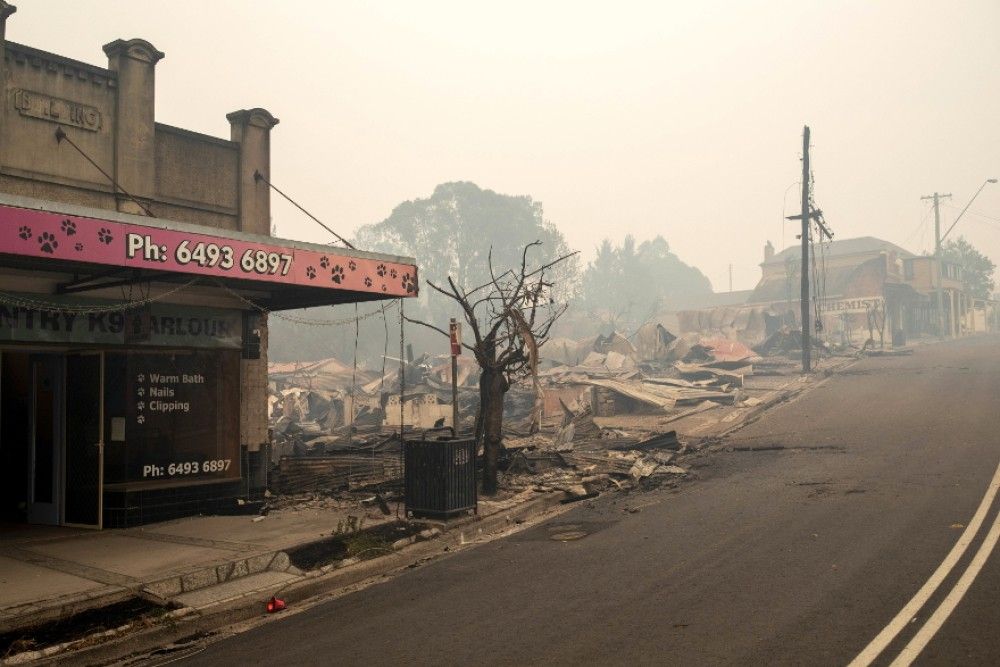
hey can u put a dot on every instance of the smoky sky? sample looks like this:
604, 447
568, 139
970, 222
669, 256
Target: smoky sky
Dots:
682, 119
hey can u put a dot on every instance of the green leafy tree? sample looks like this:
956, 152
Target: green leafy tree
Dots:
454, 233
624, 285
977, 268
451, 233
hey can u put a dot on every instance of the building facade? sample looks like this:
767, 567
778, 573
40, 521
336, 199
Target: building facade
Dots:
860, 288
859, 282
136, 276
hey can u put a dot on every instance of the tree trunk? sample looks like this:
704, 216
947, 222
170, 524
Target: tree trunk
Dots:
492, 388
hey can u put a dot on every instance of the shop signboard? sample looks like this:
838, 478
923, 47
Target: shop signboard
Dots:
46, 235
852, 305
157, 325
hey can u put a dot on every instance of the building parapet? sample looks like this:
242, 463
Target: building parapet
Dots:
19, 54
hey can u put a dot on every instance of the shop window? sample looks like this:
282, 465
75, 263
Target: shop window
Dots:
172, 417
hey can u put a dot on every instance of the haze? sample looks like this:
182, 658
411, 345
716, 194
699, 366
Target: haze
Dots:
680, 119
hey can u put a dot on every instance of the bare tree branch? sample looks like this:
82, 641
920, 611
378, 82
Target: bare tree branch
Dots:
439, 330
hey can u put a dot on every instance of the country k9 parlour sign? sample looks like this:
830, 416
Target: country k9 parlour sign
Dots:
46, 235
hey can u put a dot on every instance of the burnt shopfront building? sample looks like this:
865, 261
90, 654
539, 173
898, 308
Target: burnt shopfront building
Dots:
136, 273
125, 343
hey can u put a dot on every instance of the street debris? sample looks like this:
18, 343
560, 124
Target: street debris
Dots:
604, 404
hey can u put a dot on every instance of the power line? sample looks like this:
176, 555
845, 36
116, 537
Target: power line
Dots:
975, 212
303, 320
919, 227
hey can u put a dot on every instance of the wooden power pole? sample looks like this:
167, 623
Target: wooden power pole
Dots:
804, 269
808, 215
937, 197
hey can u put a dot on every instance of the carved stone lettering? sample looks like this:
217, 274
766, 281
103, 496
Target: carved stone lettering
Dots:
46, 107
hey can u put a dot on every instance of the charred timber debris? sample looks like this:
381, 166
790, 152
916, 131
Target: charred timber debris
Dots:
610, 413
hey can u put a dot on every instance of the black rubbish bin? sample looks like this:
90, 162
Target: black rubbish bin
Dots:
439, 476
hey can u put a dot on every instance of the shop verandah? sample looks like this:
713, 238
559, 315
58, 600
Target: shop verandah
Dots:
132, 384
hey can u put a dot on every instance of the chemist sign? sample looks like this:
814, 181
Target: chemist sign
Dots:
853, 305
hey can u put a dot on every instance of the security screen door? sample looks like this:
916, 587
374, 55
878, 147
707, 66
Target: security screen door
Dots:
84, 441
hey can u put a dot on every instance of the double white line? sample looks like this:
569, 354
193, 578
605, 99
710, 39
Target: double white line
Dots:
940, 615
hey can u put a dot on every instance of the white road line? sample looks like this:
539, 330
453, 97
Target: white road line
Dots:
907, 613
934, 623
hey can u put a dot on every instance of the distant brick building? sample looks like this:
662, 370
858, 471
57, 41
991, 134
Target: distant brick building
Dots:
136, 271
851, 280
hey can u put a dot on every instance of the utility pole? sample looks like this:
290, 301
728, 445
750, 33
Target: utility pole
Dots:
455, 334
808, 215
804, 269
937, 197
939, 239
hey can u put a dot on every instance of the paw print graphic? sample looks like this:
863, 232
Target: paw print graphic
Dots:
380, 270
383, 288
48, 242
368, 282
392, 273
78, 247
68, 227
408, 284
337, 274
352, 266
24, 232
105, 236
310, 272
324, 262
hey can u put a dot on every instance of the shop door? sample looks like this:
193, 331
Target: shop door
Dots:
46, 441
84, 440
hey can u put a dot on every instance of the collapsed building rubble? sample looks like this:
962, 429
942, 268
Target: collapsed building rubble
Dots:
337, 427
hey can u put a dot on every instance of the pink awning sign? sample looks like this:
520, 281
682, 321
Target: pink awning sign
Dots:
45, 235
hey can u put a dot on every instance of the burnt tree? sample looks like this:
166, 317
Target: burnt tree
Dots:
510, 318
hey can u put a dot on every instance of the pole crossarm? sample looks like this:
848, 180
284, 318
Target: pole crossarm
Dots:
814, 214
817, 215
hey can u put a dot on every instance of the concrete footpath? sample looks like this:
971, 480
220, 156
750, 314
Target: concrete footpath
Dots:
48, 573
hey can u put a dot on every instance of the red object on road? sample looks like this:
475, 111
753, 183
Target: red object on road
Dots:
275, 604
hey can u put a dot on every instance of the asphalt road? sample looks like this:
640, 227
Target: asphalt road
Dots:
796, 547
